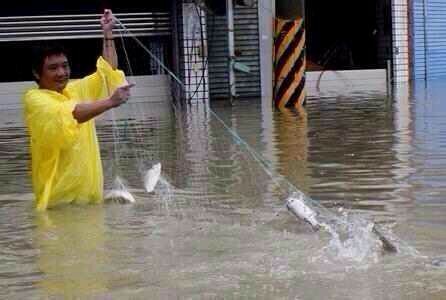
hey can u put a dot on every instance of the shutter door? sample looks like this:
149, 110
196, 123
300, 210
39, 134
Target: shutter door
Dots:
56, 27
418, 41
246, 22
246, 31
436, 38
429, 39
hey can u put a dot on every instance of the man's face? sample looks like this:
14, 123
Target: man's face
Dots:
55, 73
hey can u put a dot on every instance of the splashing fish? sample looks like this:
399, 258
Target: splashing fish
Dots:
300, 209
119, 193
119, 196
152, 177
297, 206
387, 244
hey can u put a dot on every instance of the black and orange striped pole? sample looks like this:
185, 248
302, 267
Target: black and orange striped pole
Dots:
289, 54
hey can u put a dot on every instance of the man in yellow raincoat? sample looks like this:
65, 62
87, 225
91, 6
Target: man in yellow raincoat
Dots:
66, 164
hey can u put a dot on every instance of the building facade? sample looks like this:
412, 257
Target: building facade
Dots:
362, 42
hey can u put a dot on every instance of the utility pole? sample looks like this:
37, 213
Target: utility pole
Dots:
231, 50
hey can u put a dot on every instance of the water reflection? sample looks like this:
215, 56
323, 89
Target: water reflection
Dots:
72, 251
349, 143
402, 196
429, 141
292, 143
13, 153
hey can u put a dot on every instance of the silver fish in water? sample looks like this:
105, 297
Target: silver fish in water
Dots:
119, 196
300, 209
297, 206
152, 177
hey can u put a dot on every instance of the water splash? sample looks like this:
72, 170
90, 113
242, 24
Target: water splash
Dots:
352, 239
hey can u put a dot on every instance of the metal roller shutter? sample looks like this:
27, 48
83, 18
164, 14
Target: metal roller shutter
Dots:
52, 27
246, 25
429, 39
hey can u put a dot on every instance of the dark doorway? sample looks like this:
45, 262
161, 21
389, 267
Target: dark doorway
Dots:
349, 34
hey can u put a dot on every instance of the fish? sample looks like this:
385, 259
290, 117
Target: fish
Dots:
301, 210
297, 206
152, 177
388, 246
119, 196
439, 262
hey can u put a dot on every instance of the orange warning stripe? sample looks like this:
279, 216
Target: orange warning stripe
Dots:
289, 60
288, 38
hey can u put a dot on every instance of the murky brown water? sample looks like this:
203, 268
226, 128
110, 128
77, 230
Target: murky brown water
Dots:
219, 228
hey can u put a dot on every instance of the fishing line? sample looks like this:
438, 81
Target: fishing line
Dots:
149, 177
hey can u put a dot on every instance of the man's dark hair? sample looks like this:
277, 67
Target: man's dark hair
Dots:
41, 52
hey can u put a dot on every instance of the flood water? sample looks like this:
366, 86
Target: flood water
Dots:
217, 227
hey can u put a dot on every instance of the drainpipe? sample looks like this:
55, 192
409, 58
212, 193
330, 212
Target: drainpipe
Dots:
231, 49
426, 75
389, 77
177, 91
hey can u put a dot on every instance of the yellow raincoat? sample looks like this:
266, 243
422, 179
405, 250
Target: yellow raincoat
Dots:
66, 164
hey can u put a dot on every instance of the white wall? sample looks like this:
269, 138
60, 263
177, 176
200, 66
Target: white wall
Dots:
338, 83
154, 88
